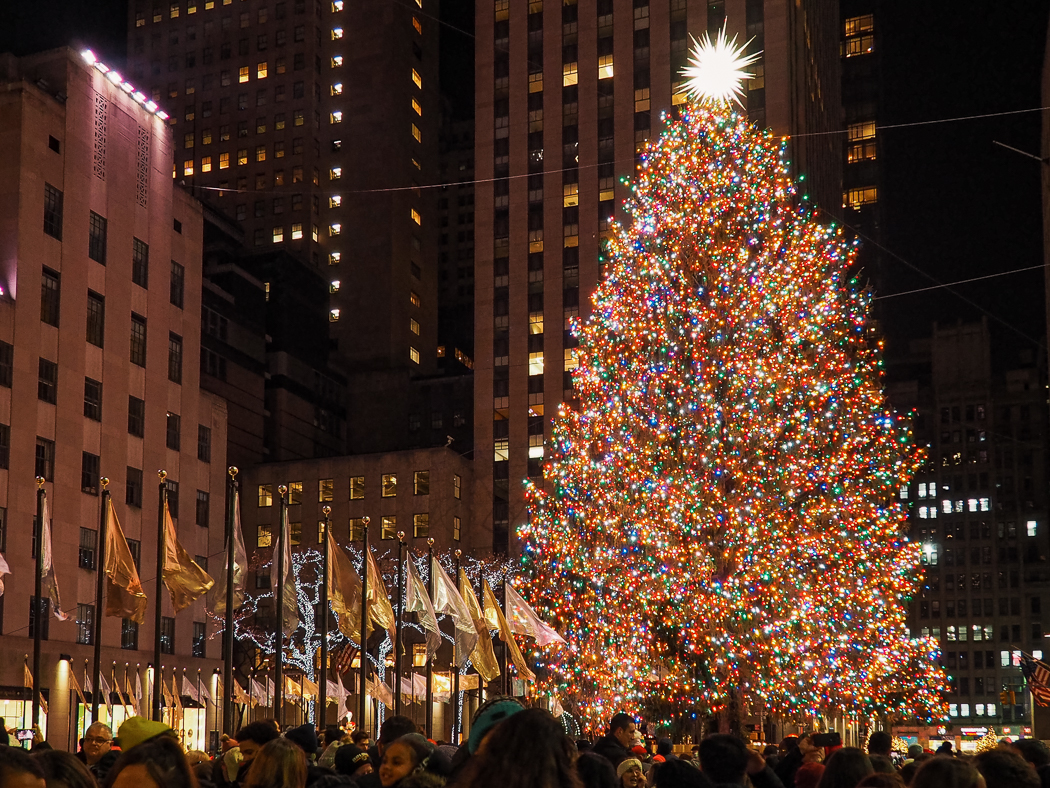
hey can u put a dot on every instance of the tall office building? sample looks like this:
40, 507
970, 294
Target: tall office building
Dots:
567, 94
100, 323
313, 124
979, 509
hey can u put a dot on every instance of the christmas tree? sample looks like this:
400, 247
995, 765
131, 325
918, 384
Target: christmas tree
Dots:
723, 525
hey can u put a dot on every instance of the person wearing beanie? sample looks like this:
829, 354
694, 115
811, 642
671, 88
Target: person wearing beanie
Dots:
488, 717
352, 761
665, 748
136, 730
629, 772
306, 737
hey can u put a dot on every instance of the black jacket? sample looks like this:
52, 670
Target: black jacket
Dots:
609, 748
763, 779
104, 764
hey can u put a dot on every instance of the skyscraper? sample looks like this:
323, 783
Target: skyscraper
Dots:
567, 94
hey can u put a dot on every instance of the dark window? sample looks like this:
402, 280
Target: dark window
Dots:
49, 297
173, 497
97, 238
172, 437
140, 263
96, 319
136, 416
133, 491
45, 458
93, 399
135, 548
178, 283
88, 538
203, 443
174, 358
202, 508
85, 624
52, 211
44, 608
167, 635
129, 634
90, 471
199, 638
212, 364
5, 446
47, 381
7, 359
138, 340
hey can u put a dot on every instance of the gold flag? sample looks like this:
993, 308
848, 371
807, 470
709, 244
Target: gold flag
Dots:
482, 657
492, 607
177, 712
379, 609
310, 688
76, 687
185, 580
292, 688
124, 595
344, 590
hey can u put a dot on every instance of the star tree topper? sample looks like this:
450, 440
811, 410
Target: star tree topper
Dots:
716, 69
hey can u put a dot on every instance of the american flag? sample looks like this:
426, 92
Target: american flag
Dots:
1037, 674
346, 657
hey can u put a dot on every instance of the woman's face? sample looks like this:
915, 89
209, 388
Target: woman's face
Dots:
633, 778
134, 776
398, 762
362, 770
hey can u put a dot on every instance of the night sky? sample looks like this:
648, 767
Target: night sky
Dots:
956, 205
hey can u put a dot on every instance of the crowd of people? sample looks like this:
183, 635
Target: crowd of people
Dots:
509, 746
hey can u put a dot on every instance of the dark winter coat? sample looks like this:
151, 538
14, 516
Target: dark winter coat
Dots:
608, 747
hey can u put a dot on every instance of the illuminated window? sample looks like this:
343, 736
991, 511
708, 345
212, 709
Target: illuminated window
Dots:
335, 201
333, 286
243, 74
569, 74
224, 161
421, 525
502, 8
260, 153
337, 60
413, 326
457, 528
335, 228
265, 495
572, 360
337, 6
388, 527
335, 173
414, 299
416, 107
501, 450
1032, 527
337, 33
861, 151
206, 137
174, 12
417, 79
605, 67
416, 135
314, 235
337, 89
415, 216
536, 82
855, 198
417, 25
414, 355
536, 363
264, 536
336, 116
860, 36
206, 164
334, 258
187, 139
389, 487
261, 70
333, 316
242, 156
535, 322
297, 231
278, 235
864, 130
187, 167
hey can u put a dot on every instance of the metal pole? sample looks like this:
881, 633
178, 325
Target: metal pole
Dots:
455, 671
429, 718
322, 681
40, 618
364, 621
398, 642
100, 583
227, 656
278, 665
157, 673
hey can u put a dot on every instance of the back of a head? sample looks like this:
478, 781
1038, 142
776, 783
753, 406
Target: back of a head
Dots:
14, 761
394, 728
723, 758
63, 768
163, 759
944, 772
1032, 750
259, 732
881, 780
525, 750
880, 743
595, 771
845, 768
808, 775
681, 774
882, 764
332, 734
280, 764
1006, 769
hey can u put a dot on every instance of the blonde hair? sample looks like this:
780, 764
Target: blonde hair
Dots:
279, 764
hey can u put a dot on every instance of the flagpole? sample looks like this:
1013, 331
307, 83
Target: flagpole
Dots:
100, 582
322, 684
227, 656
41, 615
163, 499
278, 670
363, 667
400, 619
455, 671
430, 660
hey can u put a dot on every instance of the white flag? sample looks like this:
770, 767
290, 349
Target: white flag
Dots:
524, 621
448, 600
189, 688
217, 595
4, 570
290, 619
50, 582
418, 601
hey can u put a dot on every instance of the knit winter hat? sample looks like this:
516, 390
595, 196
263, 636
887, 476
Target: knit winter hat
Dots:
135, 730
626, 765
487, 717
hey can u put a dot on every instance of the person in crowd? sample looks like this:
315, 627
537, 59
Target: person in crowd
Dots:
306, 737
845, 768
630, 773
808, 775
361, 738
392, 729
280, 763
403, 757
5, 737
156, 762
352, 761
1036, 753
250, 740
881, 780
915, 751
882, 764
796, 750
18, 769
334, 738
618, 739
771, 755
945, 749
225, 770
595, 771
1006, 769
527, 750
98, 750
665, 748
727, 760
680, 774
137, 730
908, 770
944, 772
64, 770
880, 743
486, 717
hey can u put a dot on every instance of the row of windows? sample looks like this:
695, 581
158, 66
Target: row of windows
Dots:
129, 634
326, 488
174, 10
266, 533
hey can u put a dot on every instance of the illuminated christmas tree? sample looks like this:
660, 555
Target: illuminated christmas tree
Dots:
723, 527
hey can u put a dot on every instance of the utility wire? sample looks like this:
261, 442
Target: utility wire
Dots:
960, 282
